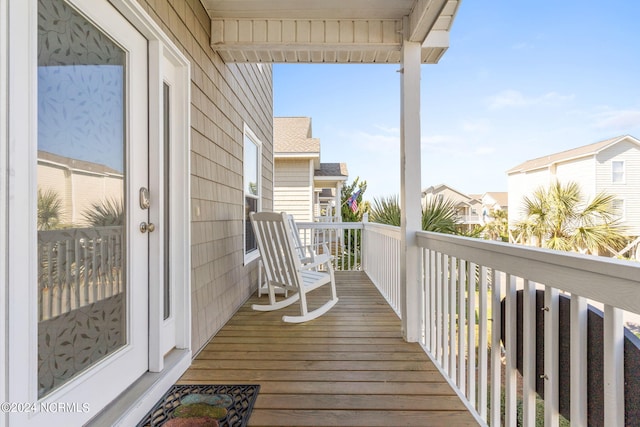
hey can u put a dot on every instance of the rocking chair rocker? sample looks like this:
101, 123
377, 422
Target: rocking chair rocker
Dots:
285, 270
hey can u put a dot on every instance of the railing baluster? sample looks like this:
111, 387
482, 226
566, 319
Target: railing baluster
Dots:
453, 333
529, 353
496, 362
445, 312
471, 320
551, 357
432, 300
462, 325
511, 348
578, 360
439, 317
613, 367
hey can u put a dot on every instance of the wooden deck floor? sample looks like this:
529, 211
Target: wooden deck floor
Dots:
350, 367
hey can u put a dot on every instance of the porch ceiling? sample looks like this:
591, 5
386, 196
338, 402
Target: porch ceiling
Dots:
328, 31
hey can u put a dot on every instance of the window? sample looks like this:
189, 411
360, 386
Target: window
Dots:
617, 206
617, 172
252, 203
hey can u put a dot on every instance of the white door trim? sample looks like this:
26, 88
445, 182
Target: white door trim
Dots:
4, 36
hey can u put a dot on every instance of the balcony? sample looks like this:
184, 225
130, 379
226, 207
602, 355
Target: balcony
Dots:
352, 367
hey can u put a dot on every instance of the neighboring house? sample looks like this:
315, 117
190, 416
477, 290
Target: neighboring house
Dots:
303, 186
492, 201
175, 99
468, 208
612, 166
78, 184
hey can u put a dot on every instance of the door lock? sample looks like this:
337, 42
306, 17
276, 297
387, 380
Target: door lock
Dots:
144, 227
145, 202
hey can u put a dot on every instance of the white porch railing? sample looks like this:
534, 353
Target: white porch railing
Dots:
77, 267
464, 282
343, 239
381, 260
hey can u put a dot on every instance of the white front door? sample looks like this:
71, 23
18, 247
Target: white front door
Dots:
92, 172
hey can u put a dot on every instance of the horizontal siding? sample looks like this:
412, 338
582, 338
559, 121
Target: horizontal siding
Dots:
521, 185
580, 171
629, 191
293, 191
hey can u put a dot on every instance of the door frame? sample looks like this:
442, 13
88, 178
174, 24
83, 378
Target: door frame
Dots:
179, 217
19, 203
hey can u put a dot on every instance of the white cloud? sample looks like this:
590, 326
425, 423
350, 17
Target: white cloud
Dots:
514, 98
483, 151
619, 120
478, 125
374, 142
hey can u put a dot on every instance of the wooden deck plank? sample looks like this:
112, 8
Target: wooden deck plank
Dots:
348, 367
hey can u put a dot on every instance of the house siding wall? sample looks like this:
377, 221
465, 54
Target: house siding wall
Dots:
293, 192
580, 171
223, 98
520, 185
629, 191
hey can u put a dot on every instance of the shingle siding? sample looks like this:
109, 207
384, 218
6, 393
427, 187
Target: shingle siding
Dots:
223, 98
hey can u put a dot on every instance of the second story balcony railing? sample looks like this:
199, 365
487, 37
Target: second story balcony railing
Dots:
516, 330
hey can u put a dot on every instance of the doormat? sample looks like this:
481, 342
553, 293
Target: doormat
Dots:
238, 412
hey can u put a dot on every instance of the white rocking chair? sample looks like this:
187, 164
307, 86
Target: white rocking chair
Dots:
284, 269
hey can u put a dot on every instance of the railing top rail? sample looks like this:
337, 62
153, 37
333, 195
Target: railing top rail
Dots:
79, 233
607, 280
387, 230
329, 225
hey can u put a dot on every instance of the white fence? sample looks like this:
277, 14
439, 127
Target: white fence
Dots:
77, 267
464, 282
343, 239
381, 260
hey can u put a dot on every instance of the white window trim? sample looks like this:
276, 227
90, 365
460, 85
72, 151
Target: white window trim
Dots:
248, 133
624, 172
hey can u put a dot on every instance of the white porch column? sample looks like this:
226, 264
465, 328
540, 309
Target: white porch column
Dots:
410, 189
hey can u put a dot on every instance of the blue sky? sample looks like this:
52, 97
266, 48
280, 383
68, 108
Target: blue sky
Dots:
520, 80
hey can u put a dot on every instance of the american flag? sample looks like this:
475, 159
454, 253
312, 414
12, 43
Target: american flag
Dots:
353, 201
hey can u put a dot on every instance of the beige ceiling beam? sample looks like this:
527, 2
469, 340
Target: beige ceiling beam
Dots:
423, 17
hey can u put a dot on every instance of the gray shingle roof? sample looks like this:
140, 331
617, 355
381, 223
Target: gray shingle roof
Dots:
332, 169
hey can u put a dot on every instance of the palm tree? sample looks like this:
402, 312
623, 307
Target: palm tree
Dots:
105, 213
386, 210
438, 215
49, 209
558, 218
498, 227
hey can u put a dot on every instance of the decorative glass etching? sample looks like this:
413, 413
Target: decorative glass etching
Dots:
81, 204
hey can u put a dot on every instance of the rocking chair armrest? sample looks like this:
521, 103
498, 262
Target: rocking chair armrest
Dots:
314, 265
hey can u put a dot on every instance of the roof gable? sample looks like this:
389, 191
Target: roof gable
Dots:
575, 153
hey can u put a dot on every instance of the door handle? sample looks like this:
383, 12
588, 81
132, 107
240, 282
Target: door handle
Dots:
144, 227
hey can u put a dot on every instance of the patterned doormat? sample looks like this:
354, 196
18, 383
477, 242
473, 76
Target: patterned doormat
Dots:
243, 396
